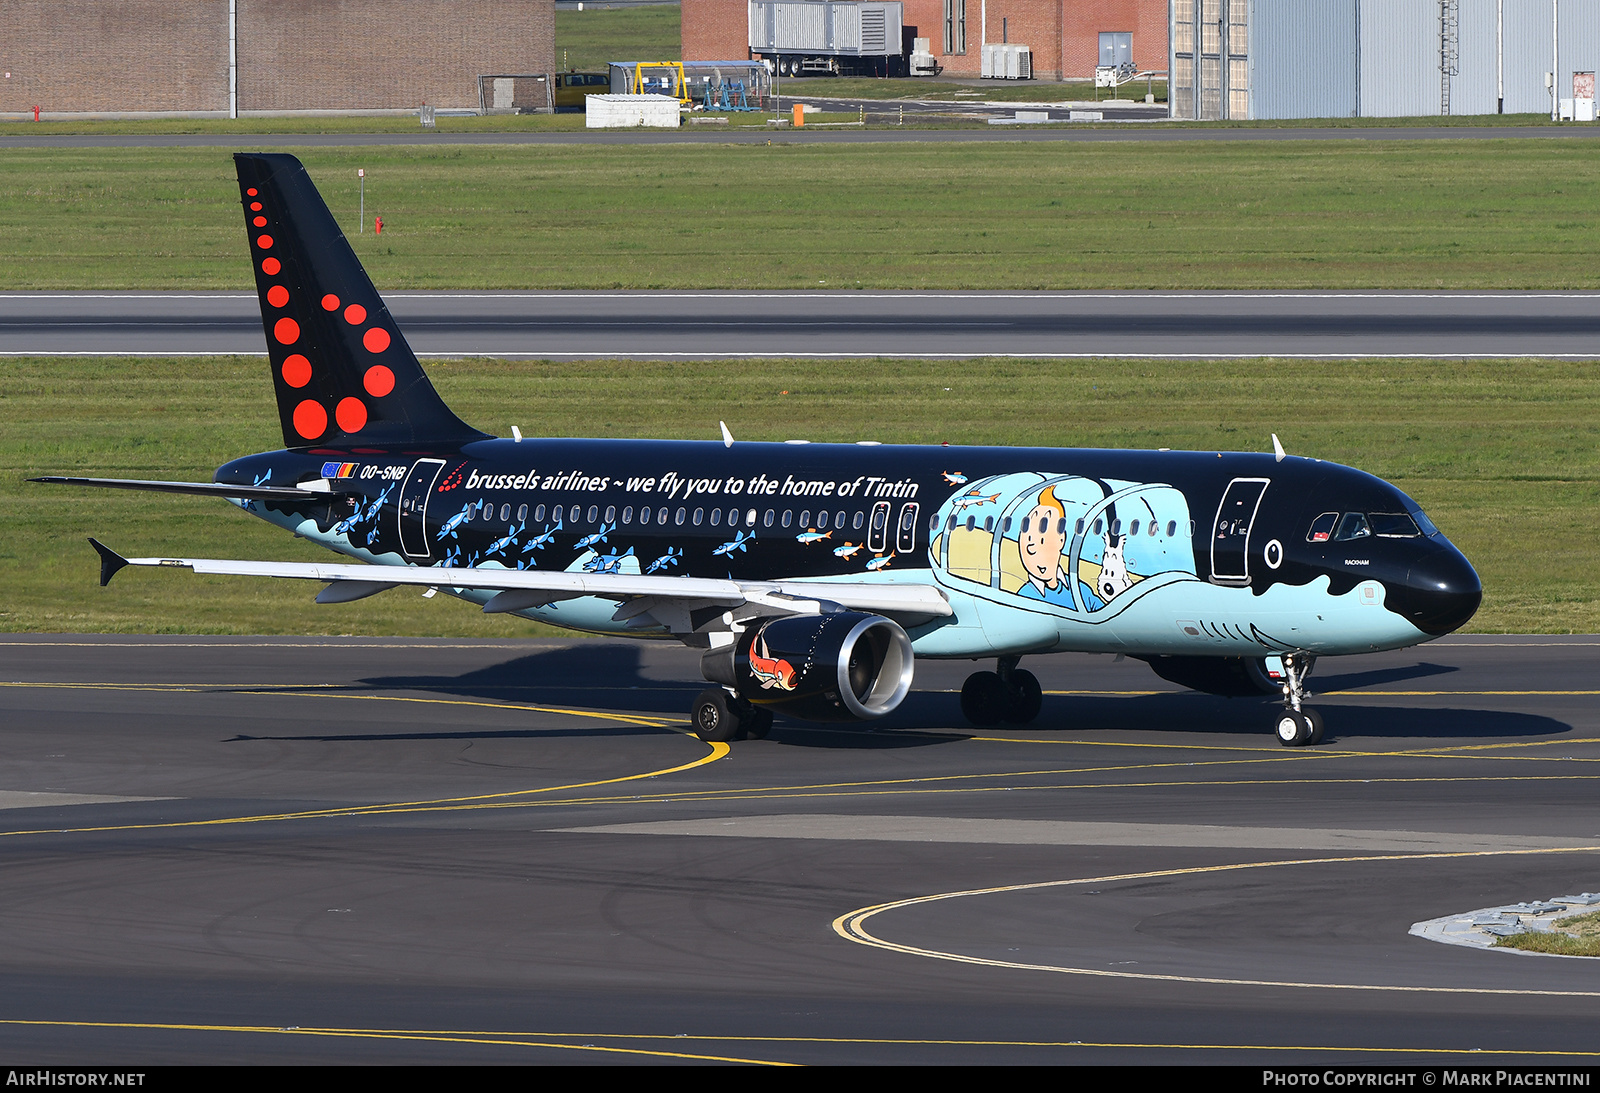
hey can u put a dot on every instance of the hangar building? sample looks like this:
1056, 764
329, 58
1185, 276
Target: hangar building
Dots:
1261, 59
1065, 36
207, 57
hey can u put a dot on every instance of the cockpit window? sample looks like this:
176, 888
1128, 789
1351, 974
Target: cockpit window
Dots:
1322, 528
1394, 525
1352, 525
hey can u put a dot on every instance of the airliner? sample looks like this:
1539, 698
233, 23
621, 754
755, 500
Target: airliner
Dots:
811, 576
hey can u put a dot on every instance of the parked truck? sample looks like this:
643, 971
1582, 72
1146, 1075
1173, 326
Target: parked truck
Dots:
823, 37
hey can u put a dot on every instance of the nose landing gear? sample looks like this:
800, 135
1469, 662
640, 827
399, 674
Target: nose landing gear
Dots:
1010, 695
1297, 725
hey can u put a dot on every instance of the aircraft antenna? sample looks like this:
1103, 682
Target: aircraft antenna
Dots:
1277, 448
727, 437
516, 434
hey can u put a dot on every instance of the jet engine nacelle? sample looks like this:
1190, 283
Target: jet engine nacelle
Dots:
846, 666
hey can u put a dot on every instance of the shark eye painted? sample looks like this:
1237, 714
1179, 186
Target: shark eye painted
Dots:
296, 371
310, 419
376, 340
351, 413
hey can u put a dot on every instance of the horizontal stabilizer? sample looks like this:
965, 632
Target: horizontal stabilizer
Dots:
202, 489
110, 561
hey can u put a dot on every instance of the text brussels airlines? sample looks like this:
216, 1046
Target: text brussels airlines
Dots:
672, 484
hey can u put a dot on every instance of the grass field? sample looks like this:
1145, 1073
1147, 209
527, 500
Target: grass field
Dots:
1348, 214
589, 40
1505, 456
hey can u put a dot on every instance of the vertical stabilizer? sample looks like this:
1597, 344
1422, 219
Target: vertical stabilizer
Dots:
342, 371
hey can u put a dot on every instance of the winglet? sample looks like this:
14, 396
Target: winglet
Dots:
1278, 453
110, 561
727, 437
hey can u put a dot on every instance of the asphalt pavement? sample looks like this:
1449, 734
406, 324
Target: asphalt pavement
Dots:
313, 850
566, 325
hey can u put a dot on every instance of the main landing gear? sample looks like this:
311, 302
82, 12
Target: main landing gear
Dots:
721, 717
1009, 695
1297, 725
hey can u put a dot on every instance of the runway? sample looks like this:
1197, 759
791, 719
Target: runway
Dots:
308, 850
575, 325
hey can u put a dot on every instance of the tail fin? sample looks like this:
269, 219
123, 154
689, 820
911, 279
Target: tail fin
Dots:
343, 373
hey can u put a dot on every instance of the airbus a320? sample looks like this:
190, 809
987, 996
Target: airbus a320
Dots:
812, 576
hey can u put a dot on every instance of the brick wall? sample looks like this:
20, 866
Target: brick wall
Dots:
1147, 21
117, 55
1063, 34
134, 55
716, 30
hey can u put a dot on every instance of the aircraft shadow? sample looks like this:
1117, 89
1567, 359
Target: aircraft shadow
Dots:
1200, 714
607, 676
612, 677
1352, 680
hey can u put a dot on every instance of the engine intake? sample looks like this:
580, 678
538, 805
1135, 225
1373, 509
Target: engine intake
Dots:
847, 666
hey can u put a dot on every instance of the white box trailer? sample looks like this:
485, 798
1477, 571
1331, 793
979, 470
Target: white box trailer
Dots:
841, 37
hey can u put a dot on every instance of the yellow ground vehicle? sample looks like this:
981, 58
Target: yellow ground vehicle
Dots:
573, 87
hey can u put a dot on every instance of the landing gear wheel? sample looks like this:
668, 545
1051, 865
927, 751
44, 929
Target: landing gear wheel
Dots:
983, 699
1024, 697
714, 717
757, 723
1316, 725
1293, 729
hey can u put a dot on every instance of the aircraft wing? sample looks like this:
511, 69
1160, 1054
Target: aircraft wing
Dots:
683, 605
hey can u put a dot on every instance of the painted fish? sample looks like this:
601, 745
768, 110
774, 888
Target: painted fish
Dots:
503, 543
671, 557
955, 478
598, 537
771, 671
450, 525
847, 551
738, 543
967, 500
880, 561
543, 539
809, 537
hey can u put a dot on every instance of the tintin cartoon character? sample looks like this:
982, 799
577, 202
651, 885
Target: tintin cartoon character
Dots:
1042, 540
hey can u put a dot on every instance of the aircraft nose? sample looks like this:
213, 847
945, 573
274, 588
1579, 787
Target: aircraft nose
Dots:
1442, 591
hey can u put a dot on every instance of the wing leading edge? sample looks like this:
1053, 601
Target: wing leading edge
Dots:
680, 604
